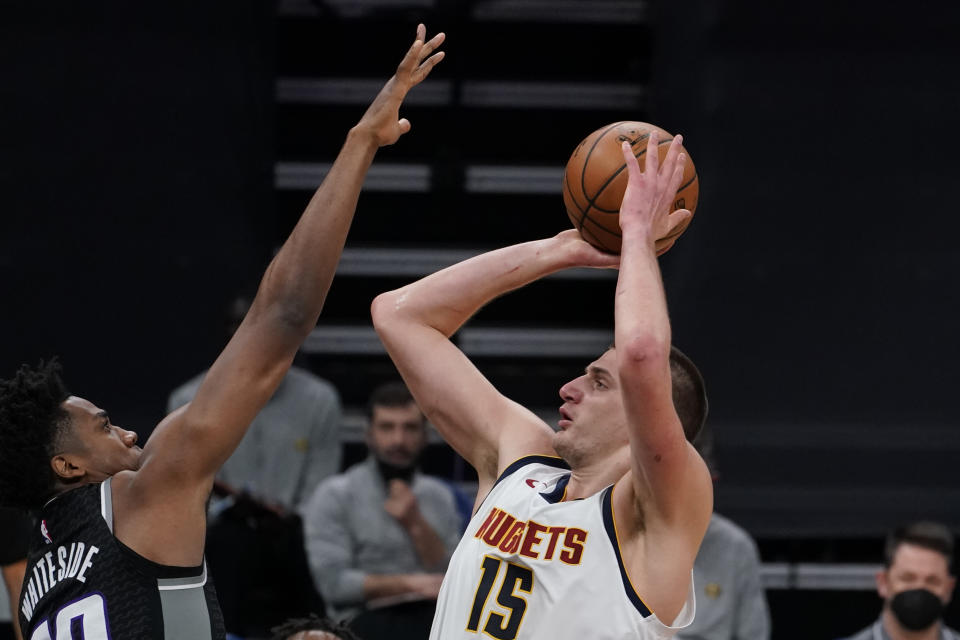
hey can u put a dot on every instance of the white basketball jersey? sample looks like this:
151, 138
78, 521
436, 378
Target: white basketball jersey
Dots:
531, 567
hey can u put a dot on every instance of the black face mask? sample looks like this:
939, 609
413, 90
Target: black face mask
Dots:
393, 472
916, 609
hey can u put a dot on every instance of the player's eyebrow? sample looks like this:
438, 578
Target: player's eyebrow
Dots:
104, 416
596, 371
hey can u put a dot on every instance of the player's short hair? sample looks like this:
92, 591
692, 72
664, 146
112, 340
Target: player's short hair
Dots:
925, 533
689, 393
312, 622
389, 394
32, 420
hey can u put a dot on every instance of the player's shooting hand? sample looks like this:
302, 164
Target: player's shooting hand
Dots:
650, 192
583, 254
382, 119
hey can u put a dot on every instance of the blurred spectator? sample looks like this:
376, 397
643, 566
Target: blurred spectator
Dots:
916, 584
731, 604
382, 532
312, 627
14, 540
292, 444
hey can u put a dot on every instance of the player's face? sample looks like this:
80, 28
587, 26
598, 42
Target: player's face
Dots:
397, 434
96, 445
592, 419
915, 567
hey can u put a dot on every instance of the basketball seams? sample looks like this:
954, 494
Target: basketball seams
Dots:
614, 177
585, 213
597, 157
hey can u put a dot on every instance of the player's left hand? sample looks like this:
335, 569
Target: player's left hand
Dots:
583, 254
650, 192
382, 118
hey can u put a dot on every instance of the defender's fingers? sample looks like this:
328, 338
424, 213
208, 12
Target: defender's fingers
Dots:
652, 165
431, 46
404, 125
630, 160
427, 65
421, 32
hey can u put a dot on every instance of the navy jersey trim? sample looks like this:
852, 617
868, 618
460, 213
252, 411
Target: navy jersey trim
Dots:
520, 463
608, 524
556, 495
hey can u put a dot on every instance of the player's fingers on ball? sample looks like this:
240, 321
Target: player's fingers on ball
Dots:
678, 219
630, 160
676, 177
673, 153
653, 154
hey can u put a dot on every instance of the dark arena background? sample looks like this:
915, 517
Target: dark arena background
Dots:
154, 155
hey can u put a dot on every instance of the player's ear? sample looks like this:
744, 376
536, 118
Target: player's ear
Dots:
65, 467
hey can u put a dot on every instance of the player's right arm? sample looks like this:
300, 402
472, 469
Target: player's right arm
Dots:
416, 322
166, 497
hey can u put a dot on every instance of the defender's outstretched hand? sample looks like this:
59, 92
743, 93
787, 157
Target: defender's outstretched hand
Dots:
650, 193
382, 118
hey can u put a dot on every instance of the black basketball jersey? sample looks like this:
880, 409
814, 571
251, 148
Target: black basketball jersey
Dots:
83, 583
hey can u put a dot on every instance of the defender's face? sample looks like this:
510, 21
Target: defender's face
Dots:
915, 567
592, 418
99, 447
397, 435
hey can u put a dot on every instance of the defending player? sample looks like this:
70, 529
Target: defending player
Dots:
600, 543
119, 550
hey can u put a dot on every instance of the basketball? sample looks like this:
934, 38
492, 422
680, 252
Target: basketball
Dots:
596, 178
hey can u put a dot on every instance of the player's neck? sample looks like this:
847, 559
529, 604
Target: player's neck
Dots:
897, 631
588, 479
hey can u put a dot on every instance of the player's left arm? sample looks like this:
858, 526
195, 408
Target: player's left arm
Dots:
13, 574
669, 481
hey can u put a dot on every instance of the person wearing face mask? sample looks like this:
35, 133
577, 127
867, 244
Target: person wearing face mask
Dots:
916, 584
382, 531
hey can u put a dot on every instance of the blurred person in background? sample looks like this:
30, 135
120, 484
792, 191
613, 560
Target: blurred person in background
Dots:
292, 444
731, 603
916, 584
382, 531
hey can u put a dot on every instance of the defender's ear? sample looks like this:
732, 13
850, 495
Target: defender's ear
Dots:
65, 468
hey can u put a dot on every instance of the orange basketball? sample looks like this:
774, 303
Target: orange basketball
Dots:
596, 178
